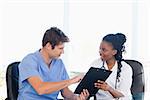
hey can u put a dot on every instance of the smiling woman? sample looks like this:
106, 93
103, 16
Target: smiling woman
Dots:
84, 21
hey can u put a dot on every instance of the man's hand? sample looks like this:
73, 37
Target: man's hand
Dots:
84, 95
76, 79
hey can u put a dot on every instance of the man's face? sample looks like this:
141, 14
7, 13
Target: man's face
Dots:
58, 50
106, 50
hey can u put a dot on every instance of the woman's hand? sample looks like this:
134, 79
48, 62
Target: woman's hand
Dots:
102, 85
84, 95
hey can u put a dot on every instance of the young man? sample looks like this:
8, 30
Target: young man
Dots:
42, 75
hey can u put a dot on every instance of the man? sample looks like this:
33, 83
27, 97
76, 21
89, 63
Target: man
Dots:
42, 75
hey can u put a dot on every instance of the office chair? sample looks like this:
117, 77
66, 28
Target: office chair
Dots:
138, 83
12, 75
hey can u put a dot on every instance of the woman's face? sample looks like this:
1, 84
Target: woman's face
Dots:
107, 51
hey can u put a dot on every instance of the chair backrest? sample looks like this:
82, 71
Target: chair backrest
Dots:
12, 75
138, 84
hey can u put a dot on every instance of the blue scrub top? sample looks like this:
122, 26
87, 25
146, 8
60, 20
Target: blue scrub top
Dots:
34, 65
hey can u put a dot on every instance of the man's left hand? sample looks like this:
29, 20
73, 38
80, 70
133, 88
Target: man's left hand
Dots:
84, 95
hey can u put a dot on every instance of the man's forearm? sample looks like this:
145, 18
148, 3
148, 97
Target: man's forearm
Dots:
49, 87
71, 97
68, 94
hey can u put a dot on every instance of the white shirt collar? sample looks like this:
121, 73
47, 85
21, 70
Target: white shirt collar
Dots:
114, 67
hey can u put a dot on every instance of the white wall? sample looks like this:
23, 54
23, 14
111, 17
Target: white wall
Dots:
23, 25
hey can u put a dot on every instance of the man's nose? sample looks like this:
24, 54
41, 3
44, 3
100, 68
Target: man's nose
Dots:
62, 51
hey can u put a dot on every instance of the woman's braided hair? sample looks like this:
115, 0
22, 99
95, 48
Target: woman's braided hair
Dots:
117, 40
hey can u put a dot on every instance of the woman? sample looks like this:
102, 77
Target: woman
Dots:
118, 84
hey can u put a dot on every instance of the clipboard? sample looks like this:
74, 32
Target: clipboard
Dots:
90, 78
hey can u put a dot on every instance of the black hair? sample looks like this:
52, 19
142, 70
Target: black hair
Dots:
54, 36
117, 40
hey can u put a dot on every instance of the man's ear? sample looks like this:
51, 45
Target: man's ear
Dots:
48, 45
114, 52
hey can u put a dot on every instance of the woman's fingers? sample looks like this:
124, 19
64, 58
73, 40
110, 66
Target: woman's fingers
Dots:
98, 85
102, 85
99, 81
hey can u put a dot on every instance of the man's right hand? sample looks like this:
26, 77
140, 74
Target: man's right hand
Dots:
76, 79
